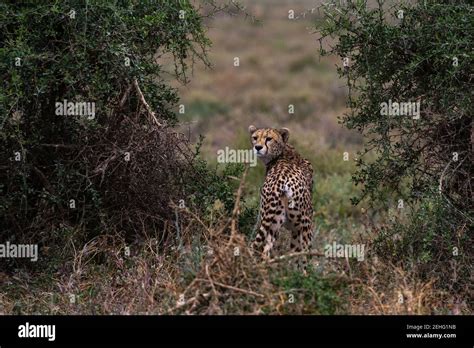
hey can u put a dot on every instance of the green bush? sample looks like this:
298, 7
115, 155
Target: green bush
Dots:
116, 170
432, 241
312, 294
405, 53
409, 53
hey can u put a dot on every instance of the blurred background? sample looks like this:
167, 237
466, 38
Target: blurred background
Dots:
279, 66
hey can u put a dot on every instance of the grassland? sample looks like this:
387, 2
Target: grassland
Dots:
279, 65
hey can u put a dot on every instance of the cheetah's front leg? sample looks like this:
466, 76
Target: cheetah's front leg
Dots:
272, 217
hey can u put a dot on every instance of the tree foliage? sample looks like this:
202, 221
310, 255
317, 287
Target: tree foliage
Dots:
121, 168
408, 53
418, 52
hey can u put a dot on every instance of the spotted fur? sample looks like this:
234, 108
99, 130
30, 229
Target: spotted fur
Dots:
286, 195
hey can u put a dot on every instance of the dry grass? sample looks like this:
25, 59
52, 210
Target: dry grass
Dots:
218, 275
383, 288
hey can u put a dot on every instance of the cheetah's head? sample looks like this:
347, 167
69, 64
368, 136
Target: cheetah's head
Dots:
268, 143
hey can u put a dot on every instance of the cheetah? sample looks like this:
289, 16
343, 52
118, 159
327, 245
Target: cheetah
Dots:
286, 194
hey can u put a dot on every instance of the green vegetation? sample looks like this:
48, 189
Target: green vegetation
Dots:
206, 108
313, 294
412, 53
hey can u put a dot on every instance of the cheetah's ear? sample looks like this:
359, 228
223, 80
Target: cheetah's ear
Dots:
252, 129
285, 134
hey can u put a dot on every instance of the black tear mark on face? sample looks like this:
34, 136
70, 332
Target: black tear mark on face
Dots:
267, 139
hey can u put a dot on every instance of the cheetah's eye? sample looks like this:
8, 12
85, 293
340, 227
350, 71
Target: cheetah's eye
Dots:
254, 138
268, 139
